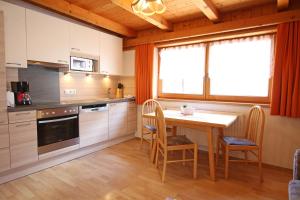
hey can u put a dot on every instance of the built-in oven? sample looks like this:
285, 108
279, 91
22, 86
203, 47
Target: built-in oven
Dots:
57, 128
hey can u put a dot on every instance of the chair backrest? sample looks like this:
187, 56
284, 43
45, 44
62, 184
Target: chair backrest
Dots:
255, 125
149, 106
161, 126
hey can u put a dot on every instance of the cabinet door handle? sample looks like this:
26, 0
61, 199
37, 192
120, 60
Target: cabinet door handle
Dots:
75, 49
23, 125
62, 61
2, 122
10, 63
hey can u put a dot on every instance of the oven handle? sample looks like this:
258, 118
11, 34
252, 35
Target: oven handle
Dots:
57, 120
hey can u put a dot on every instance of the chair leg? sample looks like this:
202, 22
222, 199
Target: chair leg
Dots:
157, 154
195, 161
164, 165
142, 138
183, 157
246, 156
217, 150
226, 156
260, 167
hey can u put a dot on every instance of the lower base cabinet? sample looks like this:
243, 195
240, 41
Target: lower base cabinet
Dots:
4, 159
117, 120
4, 148
93, 128
23, 143
132, 118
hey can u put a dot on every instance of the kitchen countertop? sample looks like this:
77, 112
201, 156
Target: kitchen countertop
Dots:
39, 106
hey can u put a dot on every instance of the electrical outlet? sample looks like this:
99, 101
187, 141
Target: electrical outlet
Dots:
70, 91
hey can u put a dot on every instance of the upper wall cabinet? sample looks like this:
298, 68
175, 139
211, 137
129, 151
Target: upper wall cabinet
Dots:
129, 63
47, 38
14, 34
84, 40
111, 50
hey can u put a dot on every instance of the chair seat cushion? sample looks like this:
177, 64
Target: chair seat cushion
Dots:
150, 128
294, 190
238, 141
178, 140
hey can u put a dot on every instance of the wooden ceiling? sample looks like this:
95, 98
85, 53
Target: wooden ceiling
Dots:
177, 10
118, 17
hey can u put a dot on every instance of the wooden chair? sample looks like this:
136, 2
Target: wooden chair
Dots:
149, 124
172, 143
252, 142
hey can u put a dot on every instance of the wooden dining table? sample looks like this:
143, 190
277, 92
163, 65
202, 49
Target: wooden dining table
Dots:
205, 121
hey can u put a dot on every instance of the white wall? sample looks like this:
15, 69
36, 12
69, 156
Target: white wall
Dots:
281, 136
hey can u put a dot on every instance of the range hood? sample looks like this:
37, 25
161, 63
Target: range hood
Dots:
47, 64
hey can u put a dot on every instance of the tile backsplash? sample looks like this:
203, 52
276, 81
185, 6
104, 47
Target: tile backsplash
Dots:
129, 85
86, 86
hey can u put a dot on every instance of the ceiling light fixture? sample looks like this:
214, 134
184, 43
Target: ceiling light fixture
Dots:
148, 7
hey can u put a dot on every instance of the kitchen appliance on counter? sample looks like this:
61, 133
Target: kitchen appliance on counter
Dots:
57, 128
21, 92
10, 99
81, 64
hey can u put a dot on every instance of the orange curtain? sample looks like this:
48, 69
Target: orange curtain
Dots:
143, 72
286, 83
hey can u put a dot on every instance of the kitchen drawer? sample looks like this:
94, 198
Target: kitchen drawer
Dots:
23, 116
23, 143
4, 136
4, 159
115, 108
23, 132
3, 117
131, 104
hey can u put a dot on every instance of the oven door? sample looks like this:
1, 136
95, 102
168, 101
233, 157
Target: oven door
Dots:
56, 133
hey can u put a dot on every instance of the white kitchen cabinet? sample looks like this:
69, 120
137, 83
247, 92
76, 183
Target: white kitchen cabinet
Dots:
128, 63
117, 120
47, 38
111, 53
84, 40
23, 143
14, 34
93, 127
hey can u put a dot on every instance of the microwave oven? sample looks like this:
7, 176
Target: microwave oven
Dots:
81, 64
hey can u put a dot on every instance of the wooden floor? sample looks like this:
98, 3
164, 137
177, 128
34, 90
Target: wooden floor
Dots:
124, 172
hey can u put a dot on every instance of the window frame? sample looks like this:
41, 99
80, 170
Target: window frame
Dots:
206, 83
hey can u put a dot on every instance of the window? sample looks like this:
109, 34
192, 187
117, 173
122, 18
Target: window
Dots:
182, 69
233, 70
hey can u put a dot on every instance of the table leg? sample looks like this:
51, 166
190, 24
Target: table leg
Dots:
211, 156
174, 130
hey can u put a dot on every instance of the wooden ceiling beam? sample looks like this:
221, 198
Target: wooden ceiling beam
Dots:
76, 12
157, 20
225, 27
208, 9
282, 4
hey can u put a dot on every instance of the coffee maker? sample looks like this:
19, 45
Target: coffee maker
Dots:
21, 92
